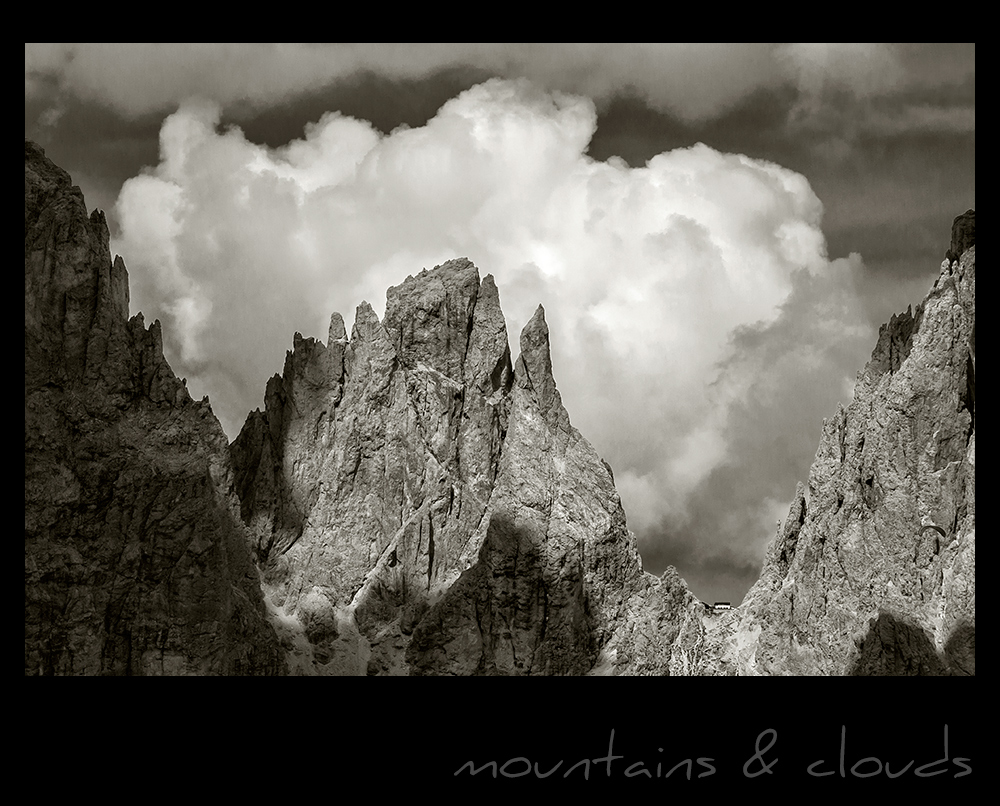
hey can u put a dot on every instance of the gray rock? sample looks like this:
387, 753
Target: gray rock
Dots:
899, 458
557, 563
963, 235
418, 505
135, 557
427, 479
873, 571
372, 465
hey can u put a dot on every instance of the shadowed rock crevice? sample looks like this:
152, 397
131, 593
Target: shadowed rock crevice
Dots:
960, 649
894, 646
510, 614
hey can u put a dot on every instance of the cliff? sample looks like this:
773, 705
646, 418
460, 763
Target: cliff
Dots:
421, 505
135, 560
412, 501
873, 571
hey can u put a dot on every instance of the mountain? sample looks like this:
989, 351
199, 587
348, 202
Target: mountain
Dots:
421, 505
873, 571
413, 501
135, 560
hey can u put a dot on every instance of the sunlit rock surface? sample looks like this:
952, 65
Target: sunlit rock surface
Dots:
412, 502
413, 494
873, 571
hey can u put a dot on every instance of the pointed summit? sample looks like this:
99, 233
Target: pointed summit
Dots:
337, 330
535, 343
534, 366
429, 317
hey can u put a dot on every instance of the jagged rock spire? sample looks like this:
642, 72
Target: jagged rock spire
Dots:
135, 560
414, 476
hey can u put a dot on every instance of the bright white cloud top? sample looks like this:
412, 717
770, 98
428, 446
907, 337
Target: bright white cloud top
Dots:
680, 295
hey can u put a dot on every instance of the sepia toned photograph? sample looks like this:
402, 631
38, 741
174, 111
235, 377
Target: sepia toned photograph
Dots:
486, 359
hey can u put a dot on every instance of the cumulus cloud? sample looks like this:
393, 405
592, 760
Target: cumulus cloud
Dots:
681, 295
777, 381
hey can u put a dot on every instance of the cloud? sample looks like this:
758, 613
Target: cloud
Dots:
835, 83
854, 90
691, 81
863, 69
923, 119
137, 79
776, 383
654, 279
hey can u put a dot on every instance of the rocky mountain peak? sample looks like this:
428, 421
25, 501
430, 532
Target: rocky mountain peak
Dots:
337, 330
534, 367
873, 572
411, 501
429, 317
76, 297
963, 235
381, 493
135, 559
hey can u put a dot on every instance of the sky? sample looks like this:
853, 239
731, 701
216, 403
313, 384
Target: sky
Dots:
716, 231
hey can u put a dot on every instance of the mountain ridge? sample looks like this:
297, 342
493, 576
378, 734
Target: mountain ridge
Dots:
412, 501
135, 560
444, 434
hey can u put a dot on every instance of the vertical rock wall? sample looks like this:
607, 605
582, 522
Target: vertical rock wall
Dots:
417, 456
136, 561
873, 572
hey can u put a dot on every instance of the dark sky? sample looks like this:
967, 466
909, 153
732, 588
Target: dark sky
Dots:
716, 232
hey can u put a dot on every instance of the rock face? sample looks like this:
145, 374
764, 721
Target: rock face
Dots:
412, 502
873, 571
422, 507
876, 573
135, 557
410, 482
550, 579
